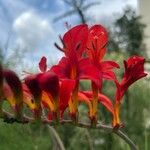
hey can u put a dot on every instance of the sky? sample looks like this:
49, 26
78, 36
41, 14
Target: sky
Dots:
27, 25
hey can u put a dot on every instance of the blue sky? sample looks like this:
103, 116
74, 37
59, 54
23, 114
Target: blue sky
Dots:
29, 26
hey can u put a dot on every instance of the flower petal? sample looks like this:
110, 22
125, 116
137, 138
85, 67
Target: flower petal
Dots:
42, 64
62, 69
14, 83
28, 98
33, 85
66, 89
75, 39
106, 102
88, 71
9, 96
103, 99
49, 82
108, 65
97, 40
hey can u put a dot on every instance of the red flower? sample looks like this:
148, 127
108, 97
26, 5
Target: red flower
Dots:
74, 66
15, 86
46, 88
32, 91
97, 41
134, 70
56, 94
32, 83
75, 70
96, 49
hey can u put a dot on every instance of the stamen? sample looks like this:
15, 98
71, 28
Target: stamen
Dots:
96, 42
93, 46
62, 41
58, 47
78, 46
88, 48
103, 46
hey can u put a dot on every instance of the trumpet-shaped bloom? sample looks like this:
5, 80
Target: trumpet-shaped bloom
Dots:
46, 88
56, 94
16, 88
97, 41
134, 70
73, 65
96, 49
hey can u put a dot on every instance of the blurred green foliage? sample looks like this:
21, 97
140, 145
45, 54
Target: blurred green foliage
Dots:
25, 137
127, 34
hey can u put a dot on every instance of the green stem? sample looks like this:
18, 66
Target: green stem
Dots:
89, 139
94, 104
75, 103
57, 137
126, 139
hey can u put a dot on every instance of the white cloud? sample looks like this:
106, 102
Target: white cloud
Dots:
32, 30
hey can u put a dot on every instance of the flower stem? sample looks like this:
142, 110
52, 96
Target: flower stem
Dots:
57, 137
126, 139
93, 116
